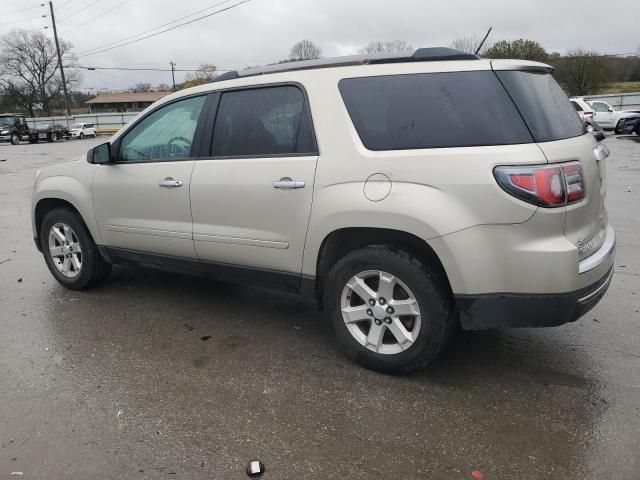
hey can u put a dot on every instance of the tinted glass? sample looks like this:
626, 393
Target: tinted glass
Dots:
264, 121
543, 105
166, 134
576, 106
7, 120
432, 110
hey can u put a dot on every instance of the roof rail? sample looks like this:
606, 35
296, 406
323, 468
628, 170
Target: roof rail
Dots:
432, 54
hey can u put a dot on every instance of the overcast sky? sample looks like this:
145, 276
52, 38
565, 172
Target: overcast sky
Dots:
262, 31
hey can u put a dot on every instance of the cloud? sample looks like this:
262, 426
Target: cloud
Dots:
262, 31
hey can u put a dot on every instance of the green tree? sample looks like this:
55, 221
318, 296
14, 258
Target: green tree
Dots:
519, 49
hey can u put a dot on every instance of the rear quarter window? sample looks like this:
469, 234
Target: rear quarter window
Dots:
543, 105
432, 110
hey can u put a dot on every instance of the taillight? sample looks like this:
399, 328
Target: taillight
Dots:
544, 185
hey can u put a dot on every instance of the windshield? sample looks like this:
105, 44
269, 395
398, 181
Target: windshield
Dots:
76, 126
543, 105
7, 120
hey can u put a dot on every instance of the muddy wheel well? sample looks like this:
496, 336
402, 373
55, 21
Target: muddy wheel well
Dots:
340, 242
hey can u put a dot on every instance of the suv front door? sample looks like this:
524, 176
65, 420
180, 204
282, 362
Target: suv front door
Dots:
251, 200
141, 200
604, 114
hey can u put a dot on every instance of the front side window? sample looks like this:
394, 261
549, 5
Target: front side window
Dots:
600, 107
164, 135
263, 121
432, 110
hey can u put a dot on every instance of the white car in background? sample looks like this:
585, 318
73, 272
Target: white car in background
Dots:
81, 130
607, 116
585, 111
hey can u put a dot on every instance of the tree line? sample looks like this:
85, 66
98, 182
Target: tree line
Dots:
30, 79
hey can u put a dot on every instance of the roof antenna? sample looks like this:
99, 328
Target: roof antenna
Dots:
483, 40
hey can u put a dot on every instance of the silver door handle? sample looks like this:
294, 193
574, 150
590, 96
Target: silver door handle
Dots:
287, 184
170, 183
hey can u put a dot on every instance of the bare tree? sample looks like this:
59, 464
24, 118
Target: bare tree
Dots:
581, 72
141, 87
29, 69
304, 50
383, 47
206, 73
469, 44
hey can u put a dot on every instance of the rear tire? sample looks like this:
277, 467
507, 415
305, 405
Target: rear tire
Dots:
407, 342
15, 139
89, 268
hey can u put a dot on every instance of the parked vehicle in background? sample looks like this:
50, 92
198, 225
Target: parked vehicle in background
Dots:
351, 181
81, 130
48, 131
13, 128
607, 116
630, 125
585, 111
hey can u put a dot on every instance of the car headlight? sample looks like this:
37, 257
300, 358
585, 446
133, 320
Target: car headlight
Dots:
4, 132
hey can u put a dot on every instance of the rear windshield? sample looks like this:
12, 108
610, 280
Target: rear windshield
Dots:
543, 105
433, 110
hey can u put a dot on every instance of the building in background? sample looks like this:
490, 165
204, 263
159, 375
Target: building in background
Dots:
123, 102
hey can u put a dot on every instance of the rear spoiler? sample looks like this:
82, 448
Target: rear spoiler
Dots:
525, 65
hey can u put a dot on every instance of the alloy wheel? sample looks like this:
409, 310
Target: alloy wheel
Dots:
65, 250
380, 312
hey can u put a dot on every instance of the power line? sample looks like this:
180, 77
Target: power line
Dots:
88, 22
79, 11
23, 20
155, 28
23, 9
102, 49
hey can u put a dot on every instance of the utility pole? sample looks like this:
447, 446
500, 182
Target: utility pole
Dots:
173, 74
64, 81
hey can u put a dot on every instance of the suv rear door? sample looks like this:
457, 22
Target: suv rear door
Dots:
251, 199
142, 201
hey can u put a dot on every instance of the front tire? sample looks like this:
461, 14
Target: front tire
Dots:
69, 251
15, 139
390, 311
81, 136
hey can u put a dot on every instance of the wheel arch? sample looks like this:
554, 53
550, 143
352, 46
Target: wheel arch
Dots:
46, 204
341, 241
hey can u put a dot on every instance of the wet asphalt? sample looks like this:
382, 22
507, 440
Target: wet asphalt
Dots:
156, 375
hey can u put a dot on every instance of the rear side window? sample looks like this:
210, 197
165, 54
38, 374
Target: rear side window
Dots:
261, 122
543, 105
432, 110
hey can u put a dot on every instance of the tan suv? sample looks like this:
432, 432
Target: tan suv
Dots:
409, 193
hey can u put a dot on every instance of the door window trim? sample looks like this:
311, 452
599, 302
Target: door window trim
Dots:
306, 111
199, 135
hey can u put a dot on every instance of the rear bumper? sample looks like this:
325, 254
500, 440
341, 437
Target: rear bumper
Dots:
486, 311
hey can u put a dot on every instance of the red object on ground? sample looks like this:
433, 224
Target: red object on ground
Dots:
477, 475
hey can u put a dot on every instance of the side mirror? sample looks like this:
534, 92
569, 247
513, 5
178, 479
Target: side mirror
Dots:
610, 109
100, 155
